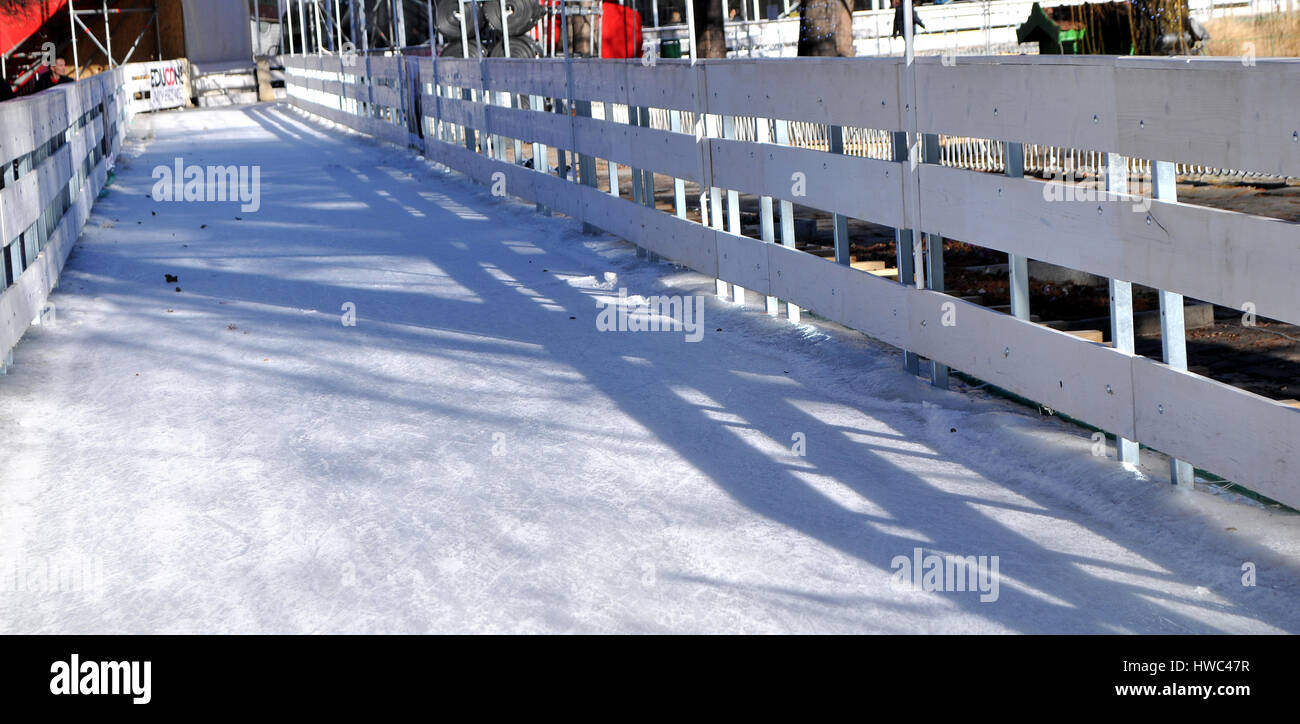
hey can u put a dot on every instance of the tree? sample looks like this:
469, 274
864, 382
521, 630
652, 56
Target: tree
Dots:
710, 40
826, 28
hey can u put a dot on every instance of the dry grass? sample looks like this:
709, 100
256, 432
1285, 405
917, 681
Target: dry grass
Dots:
1276, 35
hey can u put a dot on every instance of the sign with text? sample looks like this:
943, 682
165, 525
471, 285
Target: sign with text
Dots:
166, 84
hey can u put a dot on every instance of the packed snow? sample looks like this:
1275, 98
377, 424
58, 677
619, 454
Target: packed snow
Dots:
223, 453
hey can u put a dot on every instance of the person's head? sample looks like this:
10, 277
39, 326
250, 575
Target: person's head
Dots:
732, 13
60, 66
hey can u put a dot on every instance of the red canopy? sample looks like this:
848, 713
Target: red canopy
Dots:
18, 24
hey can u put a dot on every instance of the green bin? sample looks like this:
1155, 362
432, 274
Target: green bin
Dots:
670, 48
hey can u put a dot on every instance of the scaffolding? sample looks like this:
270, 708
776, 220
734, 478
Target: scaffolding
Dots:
74, 20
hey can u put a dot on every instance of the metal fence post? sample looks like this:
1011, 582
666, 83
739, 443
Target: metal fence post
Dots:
934, 256
766, 221
839, 223
1121, 298
733, 207
904, 259
1013, 161
1173, 331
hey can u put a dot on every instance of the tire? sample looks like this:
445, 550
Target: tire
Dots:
447, 18
521, 46
453, 50
522, 15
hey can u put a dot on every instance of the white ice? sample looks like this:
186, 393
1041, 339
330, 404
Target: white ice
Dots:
467, 457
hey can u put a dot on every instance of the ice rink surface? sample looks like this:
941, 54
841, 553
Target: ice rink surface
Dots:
474, 455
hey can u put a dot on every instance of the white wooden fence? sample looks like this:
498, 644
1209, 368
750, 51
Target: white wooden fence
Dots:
484, 118
55, 151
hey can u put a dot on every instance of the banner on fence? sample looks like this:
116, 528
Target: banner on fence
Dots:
166, 85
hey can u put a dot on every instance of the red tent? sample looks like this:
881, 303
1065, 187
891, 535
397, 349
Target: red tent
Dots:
18, 24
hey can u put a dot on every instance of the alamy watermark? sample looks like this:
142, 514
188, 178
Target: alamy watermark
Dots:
179, 182
52, 574
75, 677
652, 314
933, 572
1071, 186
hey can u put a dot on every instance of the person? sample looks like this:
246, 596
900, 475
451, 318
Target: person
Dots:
53, 76
898, 19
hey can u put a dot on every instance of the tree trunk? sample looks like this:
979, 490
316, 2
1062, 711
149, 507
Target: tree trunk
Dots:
710, 41
826, 28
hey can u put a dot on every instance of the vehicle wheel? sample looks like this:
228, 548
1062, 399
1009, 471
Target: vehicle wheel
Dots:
522, 15
521, 46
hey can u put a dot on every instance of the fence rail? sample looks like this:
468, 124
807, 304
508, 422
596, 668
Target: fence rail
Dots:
725, 127
55, 151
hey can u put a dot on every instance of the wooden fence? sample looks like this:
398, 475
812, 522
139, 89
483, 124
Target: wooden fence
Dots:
55, 151
487, 118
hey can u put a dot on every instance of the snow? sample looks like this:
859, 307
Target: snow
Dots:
233, 458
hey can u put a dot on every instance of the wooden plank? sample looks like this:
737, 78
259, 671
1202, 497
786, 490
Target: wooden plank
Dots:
859, 92
1251, 440
520, 181
1028, 102
1086, 381
873, 306
863, 188
599, 80
28, 122
1216, 112
384, 66
682, 241
25, 200
529, 76
331, 86
551, 129
876, 306
673, 154
1224, 257
460, 72
743, 261
669, 83
809, 281
386, 96
1219, 112
21, 302
373, 126
463, 113
356, 92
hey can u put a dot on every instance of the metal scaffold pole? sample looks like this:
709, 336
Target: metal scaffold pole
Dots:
72, 23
